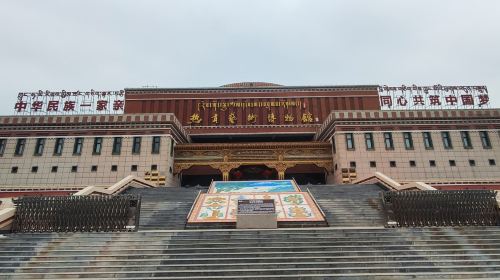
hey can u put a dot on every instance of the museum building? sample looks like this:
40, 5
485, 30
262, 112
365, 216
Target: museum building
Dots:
258, 131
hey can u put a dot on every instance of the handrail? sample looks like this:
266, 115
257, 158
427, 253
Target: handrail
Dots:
192, 206
317, 204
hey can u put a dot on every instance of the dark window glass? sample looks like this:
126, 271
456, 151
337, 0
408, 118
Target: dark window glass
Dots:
34, 169
446, 140
349, 141
114, 168
432, 163
492, 161
392, 163
485, 139
154, 167
20, 147
389, 143
352, 164
466, 139
171, 147
93, 168
14, 169
373, 164
413, 163
370, 145
117, 145
74, 168
472, 162
136, 145
54, 169
408, 139
155, 148
333, 146
40, 143
3, 144
58, 148
427, 140
97, 146
133, 168
452, 163
77, 148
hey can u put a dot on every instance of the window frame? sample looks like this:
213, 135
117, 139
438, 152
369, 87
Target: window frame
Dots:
369, 139
427, 138
57, 144
349, 141
446, 138
39, 146
408, 141
117, 145
78, 146
97, 147
155, 145
485, 137
388, 141
465, 136
3, 146
136, 150
20, 146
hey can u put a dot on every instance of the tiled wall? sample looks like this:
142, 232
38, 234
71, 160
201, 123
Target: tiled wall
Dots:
84, 162
402, 157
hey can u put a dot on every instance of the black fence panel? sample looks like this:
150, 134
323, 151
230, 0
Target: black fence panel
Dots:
77, 213
441, 208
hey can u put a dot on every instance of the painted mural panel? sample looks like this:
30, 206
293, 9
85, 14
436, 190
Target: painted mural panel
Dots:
271, 186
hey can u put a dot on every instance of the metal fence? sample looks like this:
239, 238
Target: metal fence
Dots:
77, 213
441, 208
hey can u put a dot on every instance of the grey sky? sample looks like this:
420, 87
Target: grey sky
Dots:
111, 45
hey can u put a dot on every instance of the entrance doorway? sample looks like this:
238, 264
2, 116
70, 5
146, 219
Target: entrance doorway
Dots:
253, 172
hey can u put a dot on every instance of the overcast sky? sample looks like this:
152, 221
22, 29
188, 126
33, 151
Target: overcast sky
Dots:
111, 45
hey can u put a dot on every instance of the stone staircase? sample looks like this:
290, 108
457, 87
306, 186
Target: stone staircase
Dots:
165, 208
326, 253
349, 205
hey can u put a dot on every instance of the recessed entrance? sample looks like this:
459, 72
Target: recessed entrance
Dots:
253, 172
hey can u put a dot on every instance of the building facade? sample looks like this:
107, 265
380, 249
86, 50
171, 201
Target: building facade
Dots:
190, 136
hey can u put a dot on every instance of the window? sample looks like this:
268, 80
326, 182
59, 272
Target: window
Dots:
446, 140
370, 145
154, 167
97, 146
3, 143
171, 147
74, 168
170, 169
413, 163
472, 162
155, 148
408, 139
352, 164
40, 143
349, 141
20, 147
389, 144
14, 169
77, 148
392, 163
373, 164
427, 140
58, 148
54, 169
432, 163
114, 168
466, 139
136, 145
34, 169
93, 168
333, 146
492, 161
452, 162
117, 145
485, 139
133, 168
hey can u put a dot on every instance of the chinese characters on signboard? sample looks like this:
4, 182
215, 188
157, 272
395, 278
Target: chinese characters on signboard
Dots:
251, 118
70, 102
433, 97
